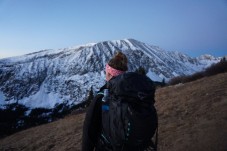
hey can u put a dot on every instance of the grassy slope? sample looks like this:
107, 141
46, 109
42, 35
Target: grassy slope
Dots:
192, 116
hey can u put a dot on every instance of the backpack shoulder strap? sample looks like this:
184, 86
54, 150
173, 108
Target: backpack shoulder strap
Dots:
155, 143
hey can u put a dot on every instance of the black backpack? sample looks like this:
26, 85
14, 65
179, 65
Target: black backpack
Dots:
129, 118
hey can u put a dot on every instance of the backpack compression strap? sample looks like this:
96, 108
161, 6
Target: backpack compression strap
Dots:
105, 107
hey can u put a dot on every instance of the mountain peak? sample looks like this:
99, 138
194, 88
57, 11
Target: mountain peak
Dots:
48, 77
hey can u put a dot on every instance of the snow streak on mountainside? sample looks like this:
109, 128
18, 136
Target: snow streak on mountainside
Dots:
48, 77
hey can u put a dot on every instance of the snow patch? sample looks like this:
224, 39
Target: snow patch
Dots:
41, 99
153, 76
2, 98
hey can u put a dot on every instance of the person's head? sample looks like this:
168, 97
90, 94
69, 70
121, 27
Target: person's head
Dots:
116, 66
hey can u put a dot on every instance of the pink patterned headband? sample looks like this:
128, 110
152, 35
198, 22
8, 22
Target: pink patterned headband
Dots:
112, 71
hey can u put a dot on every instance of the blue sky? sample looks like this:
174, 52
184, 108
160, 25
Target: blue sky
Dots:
193, 27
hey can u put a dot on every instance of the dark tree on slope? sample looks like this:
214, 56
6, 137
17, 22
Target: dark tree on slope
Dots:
223, 59
163, 81
90, 96
38, 116
60, 110
12, 118
220, 67
141, 70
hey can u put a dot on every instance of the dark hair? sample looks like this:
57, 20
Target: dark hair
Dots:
119, 61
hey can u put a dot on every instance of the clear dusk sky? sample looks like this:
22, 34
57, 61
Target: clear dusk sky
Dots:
193, 27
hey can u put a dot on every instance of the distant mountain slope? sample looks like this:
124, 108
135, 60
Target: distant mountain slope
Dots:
50, 77
192, 117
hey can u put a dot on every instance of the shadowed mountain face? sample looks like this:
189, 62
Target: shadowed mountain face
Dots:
192, 117
49, 77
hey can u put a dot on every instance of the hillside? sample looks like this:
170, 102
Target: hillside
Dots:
47, 78
192, 116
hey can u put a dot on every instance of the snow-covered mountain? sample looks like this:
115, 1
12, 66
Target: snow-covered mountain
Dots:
48, 77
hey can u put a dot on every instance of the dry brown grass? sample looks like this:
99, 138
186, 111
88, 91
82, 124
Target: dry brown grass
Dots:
192, 117
62, 135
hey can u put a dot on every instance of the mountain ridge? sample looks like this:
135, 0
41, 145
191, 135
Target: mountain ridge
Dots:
34, 79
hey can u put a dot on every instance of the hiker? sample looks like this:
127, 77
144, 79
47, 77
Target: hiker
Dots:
121, 116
